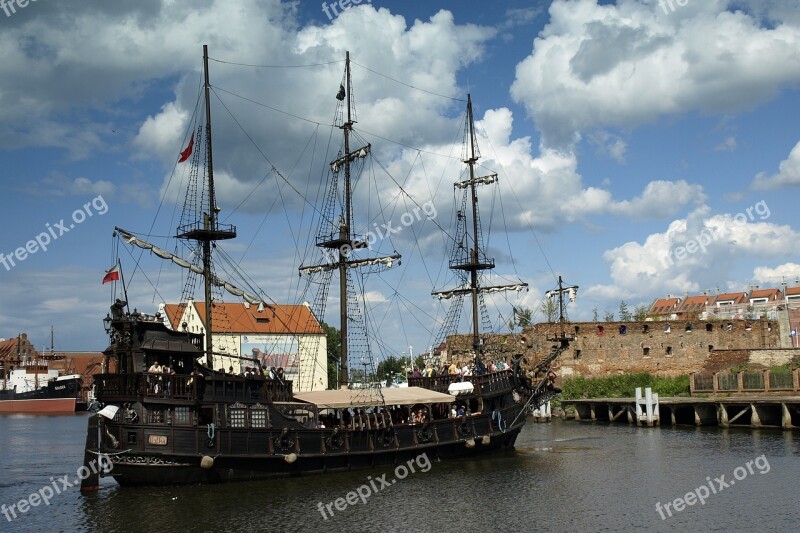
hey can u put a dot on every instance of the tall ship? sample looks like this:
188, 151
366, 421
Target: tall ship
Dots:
30, 384
202, 424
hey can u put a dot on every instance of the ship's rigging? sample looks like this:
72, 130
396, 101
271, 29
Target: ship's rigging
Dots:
343, 249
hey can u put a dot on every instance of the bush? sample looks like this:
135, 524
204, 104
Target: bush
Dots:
623, 386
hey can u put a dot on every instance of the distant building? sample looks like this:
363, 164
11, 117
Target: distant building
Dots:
765, 296
286, 336
17, 348
692, 307
664, 308
792, 295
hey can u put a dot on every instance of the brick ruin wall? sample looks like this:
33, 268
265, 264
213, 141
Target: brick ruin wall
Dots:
665, 348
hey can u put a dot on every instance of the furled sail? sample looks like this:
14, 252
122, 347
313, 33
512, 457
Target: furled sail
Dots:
250, 298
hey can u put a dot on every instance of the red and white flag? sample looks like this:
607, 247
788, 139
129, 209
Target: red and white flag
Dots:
186, 153
112, 274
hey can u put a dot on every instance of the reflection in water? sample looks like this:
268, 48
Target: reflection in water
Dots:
563, 476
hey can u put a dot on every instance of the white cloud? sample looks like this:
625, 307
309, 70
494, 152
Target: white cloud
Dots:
788, 272
696, 252
626, 65
788, 173
728, 145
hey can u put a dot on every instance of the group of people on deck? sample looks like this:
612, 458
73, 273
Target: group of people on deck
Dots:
157, 383
461, 369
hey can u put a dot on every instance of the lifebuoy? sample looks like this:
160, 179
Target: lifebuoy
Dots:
425, 433
388, 437
335, 441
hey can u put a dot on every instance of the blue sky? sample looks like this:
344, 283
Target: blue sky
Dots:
627, 136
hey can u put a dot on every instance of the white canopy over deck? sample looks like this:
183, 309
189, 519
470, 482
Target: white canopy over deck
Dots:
344, 398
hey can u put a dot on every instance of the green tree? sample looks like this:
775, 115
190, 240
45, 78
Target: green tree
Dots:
640, 313
522, 317
334, 337
595, 315
608, 316
549, 309
391, 365
624, 314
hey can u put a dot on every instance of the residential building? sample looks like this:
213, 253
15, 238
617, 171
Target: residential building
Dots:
280, 336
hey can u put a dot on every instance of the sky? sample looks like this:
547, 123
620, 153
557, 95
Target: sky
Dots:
642, 148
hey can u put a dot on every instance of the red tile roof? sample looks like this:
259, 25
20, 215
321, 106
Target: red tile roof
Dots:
734, 297
664, 306
694, 303
792, 291
770, 294
276, 319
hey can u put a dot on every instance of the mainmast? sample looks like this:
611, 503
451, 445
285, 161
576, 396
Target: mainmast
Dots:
345, 241
208, 230
476, 260
344, 230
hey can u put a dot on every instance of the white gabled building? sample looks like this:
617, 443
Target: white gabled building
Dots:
285, 336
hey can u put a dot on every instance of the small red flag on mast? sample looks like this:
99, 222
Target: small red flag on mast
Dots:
112, 274
186, 153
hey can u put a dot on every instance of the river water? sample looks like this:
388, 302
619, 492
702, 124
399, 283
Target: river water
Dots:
563, 476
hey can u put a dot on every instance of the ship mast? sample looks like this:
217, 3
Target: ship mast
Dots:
344, 241
207, 231
344, 231
477, 260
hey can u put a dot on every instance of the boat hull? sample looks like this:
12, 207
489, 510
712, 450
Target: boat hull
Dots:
56, 397
39, 406
142, 469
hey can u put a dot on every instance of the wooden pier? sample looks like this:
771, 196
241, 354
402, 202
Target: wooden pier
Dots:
756, 411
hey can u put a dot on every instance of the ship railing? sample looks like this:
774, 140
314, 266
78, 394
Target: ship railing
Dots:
135, 387
777, 380
488, 383
223, 388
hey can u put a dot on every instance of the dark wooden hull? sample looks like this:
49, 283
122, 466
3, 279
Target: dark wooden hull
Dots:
174, 456
226, 428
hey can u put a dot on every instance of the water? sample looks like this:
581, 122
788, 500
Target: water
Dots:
564, 476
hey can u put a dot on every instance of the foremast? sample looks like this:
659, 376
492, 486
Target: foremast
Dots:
340, 244
476, 260
208, 230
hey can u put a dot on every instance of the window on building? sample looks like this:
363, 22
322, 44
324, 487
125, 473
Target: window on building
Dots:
667, 328
646, 351
577, 354
688, 328
669, 350
600, 330
646, 328
709, 327
623, 330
